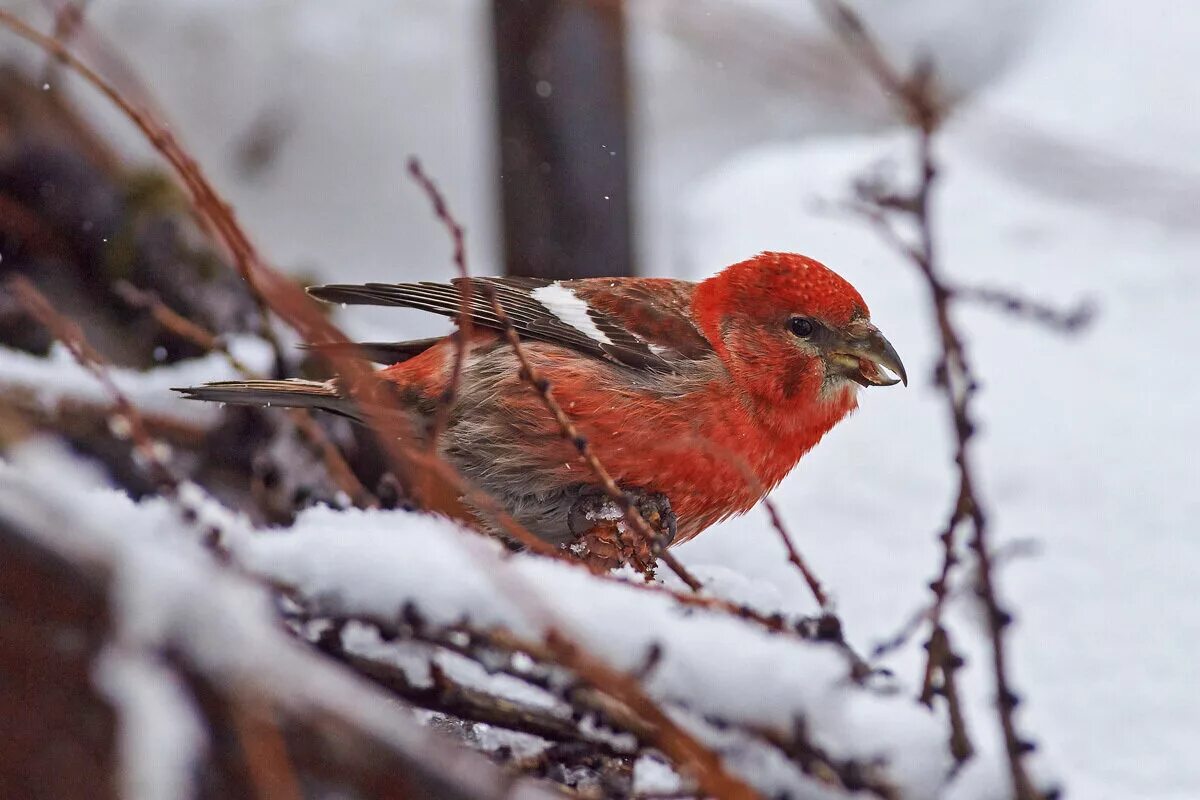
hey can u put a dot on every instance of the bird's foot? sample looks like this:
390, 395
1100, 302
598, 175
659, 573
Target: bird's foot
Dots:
604, 539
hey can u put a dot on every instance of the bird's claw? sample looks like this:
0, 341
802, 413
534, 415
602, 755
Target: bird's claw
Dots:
603, 537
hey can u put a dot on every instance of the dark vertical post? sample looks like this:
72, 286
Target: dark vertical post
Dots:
564, 159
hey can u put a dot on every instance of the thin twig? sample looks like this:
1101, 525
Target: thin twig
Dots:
68, 18
460, 700
127, 422
463, 338
915, 97
948, 664
810, 577
688, 752
567, 428
1068, 321
530, 374
432, 484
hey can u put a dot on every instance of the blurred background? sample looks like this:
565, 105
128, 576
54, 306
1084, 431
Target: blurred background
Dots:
673, 137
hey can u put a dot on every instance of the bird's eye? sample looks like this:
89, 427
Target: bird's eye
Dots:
801, 327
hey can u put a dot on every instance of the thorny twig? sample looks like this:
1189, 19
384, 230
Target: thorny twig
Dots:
618, 697
949, 663
916, 100
448, 696
828, 625
496, 651
915, 621
462, 338
810, 577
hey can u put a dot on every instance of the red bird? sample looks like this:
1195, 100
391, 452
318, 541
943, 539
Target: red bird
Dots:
705, 393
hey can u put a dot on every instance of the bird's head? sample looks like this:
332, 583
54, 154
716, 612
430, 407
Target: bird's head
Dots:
793, 332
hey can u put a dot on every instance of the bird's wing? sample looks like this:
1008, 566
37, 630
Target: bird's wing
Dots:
377, 352
643, 323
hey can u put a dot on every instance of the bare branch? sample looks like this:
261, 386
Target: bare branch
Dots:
463, 338
128, 419
955, 377
1072, 320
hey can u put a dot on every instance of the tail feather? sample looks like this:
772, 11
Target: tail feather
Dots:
291, 393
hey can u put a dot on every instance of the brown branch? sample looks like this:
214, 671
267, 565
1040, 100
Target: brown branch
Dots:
264, 750
176, 323
463, 338
914, 96
810, 577
828, 626
207, 201
494, 649
1067, 321
756, 485
948, 663
687, 752
954, 375
68, 19
447, 696
128, 422
657, 728
72, 414
128, 419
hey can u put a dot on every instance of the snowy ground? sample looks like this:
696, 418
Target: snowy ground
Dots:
1087, 444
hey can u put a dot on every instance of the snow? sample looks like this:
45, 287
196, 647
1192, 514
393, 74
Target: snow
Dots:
372, 563
162, 737
651, 776
170, 594
60, 378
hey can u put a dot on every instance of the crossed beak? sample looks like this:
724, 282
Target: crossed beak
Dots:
870, 360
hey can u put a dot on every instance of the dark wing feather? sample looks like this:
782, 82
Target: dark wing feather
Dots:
532, 319
378, 352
